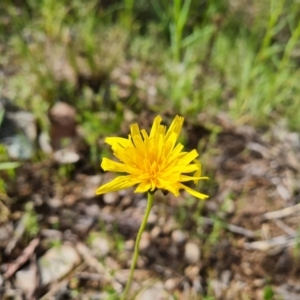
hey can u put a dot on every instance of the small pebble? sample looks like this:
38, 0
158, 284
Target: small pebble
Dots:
145, 241
178, 236
173, 250
92, 210
259, 282
57, 262
101, 246
110, 198
129, 245
55, 202
94, 180
70, 199
192, 253
155, 232
171, 284
226, 276
192, 272
197, 284
170, 226
88, 192
154, 291
152, 219
25, 279
126, 201
247, 268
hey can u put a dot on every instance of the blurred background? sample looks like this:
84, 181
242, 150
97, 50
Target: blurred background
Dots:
73, 72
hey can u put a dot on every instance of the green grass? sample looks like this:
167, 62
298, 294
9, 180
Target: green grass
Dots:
241, 59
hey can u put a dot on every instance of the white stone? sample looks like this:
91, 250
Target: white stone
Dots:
101, 246
155, 291
57, 263
110, 198
178, 236
191, 253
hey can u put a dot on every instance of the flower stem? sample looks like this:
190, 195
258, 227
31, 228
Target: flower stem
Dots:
137, 244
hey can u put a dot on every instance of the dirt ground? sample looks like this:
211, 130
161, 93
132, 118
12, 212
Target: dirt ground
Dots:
242, 243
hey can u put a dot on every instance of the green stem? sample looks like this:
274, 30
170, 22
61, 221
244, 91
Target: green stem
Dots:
137, 244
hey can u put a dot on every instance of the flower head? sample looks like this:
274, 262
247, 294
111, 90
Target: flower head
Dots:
152, 161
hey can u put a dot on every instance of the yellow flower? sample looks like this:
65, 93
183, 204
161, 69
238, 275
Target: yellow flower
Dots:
152, 161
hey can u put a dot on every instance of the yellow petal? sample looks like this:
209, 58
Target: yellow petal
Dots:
184, 169
170, 143
184, 178
175, 126
177, 150
110, 165
198, 172
113, 141
169, 186
193, 192
144, 134
119, 183
159, 144
136, 137
126, 156
188, 157
155, 126
143, 187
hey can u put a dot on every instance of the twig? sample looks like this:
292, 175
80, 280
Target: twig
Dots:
31, 294
277, 242
51, 234
259, 148
233, 228
17, 235
22, 259
290, 231
277, 214
240, 230
91, 261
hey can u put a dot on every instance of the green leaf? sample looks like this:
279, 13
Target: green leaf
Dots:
9, 165
268, 293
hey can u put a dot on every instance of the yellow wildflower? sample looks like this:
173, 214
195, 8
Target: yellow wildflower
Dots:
152, 161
